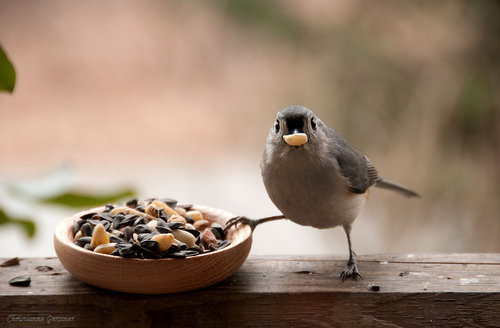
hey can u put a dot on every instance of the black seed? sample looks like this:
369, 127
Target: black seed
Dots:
190, 253
129, 219
169, 201
174, 225
127, 233
88, 247
82, 241
93, 222
141, 208
140, 220
163, 215
223, 243
149, 244
21, 281
217, 230
373, 287
187, 207
44, 268
212, 247
174, 248
103, 216
141, 228
76, 228
189, 219
86, 230
123, 245
106, 224
163, 229
198, 240
126, 250
87, 216
132, 203
149, 200
182, 246
175, 255
116, 252
115, 239
116, 222
194, 232
195, 249
143, 236
108, 207
148, 254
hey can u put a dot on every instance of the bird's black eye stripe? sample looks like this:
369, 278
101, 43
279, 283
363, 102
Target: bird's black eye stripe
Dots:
277, 126
313, 123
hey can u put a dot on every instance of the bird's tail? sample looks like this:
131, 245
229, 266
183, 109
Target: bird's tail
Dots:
387, 184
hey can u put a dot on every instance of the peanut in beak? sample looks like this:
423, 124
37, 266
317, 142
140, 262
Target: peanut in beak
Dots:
296, 139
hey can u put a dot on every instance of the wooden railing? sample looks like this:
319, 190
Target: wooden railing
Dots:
448, 290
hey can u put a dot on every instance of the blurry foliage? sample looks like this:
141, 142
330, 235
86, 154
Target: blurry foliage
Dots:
27, 224
83, 200
7, 72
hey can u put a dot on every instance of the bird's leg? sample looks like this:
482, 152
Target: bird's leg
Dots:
351, 268
251, 222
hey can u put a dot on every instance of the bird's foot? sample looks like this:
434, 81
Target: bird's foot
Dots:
241, 220
350, 270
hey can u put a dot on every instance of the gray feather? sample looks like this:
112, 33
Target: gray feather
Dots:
387, 184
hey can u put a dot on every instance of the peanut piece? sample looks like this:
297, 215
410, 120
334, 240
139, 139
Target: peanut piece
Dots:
195, 215
164, 240
105, 248
185, 237
99, 236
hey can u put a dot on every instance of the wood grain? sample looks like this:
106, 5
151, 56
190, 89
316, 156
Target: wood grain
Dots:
457, 290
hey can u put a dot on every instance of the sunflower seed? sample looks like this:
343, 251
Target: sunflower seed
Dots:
22, 281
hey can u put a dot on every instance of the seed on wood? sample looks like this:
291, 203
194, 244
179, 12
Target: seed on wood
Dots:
22, 281
44, 268
374, 288
10, 262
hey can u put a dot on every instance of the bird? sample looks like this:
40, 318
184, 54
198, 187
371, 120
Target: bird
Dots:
316, 178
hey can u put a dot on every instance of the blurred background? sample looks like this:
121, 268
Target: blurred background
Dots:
175, 99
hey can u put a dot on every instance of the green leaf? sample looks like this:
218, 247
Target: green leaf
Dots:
7, 72
85, 200
27, 224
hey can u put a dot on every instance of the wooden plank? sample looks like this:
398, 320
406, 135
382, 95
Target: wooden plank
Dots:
274, 291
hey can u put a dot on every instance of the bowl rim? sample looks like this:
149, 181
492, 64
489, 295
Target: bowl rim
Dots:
62, 233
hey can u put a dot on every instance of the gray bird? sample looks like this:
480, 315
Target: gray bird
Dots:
315, 178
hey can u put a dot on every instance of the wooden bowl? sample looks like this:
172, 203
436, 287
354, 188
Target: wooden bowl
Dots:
153, 276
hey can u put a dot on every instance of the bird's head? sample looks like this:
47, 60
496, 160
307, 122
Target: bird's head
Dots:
295, 126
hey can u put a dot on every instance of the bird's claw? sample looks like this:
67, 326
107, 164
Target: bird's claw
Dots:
240, 220
350, 271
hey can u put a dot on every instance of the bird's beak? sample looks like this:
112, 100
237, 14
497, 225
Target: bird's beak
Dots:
296, 138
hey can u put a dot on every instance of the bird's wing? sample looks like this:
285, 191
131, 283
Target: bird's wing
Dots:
355, 166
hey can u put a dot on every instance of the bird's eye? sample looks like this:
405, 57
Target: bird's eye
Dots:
313, 123
277, 126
